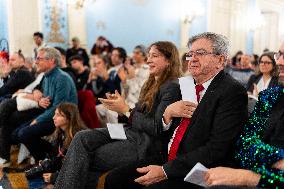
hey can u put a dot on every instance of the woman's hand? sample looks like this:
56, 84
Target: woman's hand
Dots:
122, 74
115, 102
255, 90
46, 177
130, 70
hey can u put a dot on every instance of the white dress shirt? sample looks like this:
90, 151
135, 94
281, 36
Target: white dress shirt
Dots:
167, 126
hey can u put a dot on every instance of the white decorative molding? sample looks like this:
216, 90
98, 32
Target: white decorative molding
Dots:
77, 25
23, 21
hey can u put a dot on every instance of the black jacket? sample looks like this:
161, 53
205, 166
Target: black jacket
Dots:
213, 129
254, 79
16, 80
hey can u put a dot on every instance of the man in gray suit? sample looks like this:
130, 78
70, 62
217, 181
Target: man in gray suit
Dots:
205, 133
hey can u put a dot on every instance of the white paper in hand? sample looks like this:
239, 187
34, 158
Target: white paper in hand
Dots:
187, 88
116, 131
196, 175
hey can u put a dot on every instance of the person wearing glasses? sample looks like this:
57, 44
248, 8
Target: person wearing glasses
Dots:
261, 145
96, 151
56, 86
266, 74
203, 132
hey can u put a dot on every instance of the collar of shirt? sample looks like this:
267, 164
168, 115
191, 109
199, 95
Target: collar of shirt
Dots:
206, 85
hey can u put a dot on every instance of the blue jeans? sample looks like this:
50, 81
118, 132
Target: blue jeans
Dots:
30, 136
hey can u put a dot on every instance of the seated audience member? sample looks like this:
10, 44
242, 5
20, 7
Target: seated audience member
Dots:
97, 77
113, 82
242, 72
77, 50
63, 64
133, 76
95, 150
202, 133
67, 122
82, 73
22, 107
237, 59
57, 87
118, 57
266, 75
29, 64
102, 47
261, 145
254, 61
18, 78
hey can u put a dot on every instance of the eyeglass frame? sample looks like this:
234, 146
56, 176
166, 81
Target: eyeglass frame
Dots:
41, 58
265, 62
198, 54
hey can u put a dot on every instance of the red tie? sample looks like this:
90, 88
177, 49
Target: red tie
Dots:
182, 128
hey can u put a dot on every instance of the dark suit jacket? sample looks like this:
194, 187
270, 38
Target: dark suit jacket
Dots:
18, 80
213, 129
255, 79
146, 127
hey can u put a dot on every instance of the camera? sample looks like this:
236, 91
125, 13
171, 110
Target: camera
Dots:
43, 167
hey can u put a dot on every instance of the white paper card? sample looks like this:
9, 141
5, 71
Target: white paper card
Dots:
187, 88
196, 175
116, 131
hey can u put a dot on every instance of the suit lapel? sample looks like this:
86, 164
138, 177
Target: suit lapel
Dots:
209, 94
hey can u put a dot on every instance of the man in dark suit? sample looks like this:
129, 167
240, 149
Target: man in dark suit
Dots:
199, 133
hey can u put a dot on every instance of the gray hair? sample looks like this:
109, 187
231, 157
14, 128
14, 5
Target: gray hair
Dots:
52, 53
220, 43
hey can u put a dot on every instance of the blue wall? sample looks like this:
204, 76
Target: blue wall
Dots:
127, 24
3, 20
55, 29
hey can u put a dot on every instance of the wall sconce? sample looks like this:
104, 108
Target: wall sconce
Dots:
190, 10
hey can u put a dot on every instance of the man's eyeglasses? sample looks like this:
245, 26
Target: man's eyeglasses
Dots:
198, 53
41, 58
278, 55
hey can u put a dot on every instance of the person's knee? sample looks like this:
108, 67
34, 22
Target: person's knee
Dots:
21, 136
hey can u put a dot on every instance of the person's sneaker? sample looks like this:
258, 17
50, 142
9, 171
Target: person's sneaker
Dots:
4, 163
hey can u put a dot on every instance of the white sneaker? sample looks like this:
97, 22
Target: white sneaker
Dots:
4, 163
